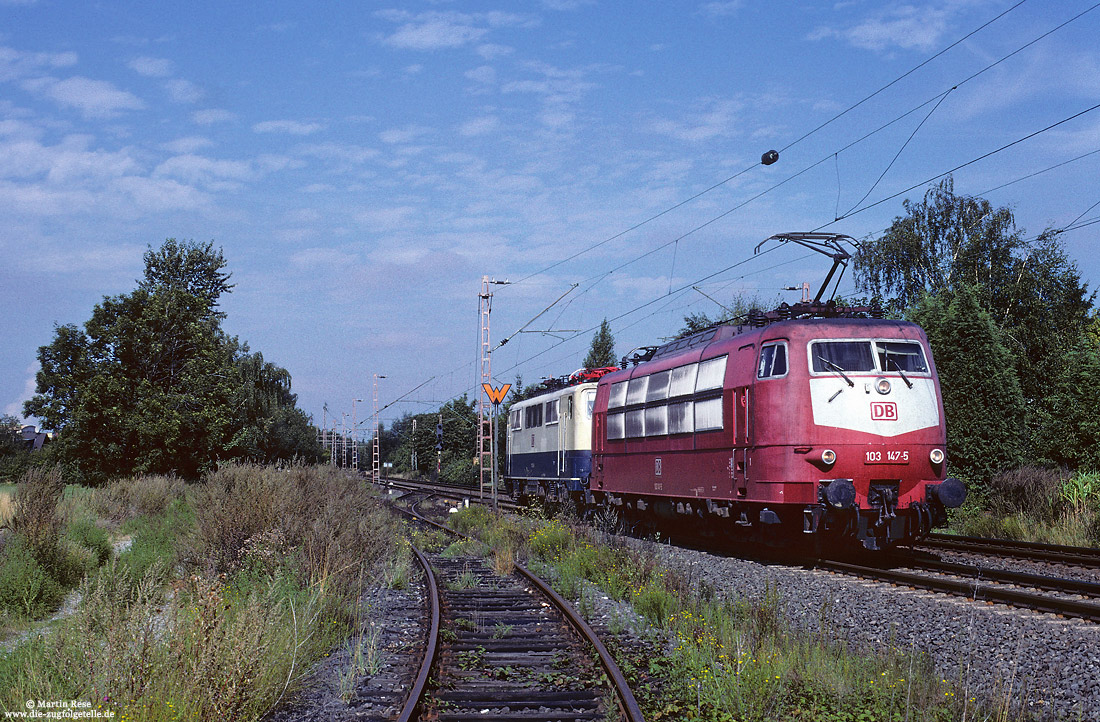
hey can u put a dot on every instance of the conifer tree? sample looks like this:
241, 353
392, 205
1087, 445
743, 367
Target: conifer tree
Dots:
602, 351
983, 404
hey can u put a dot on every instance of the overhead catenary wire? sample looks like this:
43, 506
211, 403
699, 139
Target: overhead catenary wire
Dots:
937, 99
798, 140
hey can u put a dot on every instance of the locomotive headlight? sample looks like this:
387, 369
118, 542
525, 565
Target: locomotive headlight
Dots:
882, 386
828, 457
936, 456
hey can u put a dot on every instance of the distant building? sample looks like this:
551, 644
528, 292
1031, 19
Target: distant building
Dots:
34, 440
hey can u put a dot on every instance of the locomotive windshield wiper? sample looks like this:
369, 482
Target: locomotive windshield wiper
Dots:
837, 368
900, 372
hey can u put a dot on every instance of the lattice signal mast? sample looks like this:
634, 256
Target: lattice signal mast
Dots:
484, 416
484, 432
376, 454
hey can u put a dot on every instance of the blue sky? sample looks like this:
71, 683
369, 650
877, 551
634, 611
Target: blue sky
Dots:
363, 165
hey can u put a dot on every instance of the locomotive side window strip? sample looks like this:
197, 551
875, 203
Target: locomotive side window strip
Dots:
616, 426
708, 414
532, 416
656, 420
658, 386
682, 381
647, 412
711, 374
636, 390
681, 418
618, 395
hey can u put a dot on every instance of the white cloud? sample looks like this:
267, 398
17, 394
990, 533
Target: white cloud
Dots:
188, 144
479, 126
17, 64
443, 31
717, 118
492, 51
195, 169
291, 127
211, 116
904, 26
313, 258
93, 98
484, 74
64, 163
720, 9
403, 135
386, 219
183, 91
152, 67
15, 408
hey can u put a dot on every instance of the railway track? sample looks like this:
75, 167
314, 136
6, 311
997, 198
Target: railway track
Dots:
1056, 595
1034, 551
507, 647
982, 575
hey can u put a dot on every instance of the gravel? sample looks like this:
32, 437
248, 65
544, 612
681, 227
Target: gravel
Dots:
1052, 664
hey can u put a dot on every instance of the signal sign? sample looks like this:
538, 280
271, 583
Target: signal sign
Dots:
496, 395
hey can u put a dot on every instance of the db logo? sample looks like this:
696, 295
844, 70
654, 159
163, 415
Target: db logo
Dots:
884, 411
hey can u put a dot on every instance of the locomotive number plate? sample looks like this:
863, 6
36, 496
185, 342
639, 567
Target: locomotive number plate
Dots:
887, 456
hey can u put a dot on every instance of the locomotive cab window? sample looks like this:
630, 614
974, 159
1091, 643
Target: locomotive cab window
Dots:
901, 356
833, 356
551, 412
516, 425
773, 361
589, 404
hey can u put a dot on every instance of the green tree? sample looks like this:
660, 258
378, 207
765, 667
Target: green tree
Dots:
1069, 432
269, 424
940, 242
14, 457
1031, 290
602, 351
982, 401
152, 384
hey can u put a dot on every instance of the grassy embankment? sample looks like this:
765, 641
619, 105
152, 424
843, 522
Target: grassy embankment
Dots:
226, 594
723, 658
1035, 504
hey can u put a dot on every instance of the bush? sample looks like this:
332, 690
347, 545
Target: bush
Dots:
35, 516
137, 496
88, 535
1030, 490
327, 517
27, 590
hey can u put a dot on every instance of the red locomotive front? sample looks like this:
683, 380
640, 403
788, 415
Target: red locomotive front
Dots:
830, 427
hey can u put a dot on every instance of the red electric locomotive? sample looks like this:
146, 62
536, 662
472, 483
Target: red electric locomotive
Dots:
813, 421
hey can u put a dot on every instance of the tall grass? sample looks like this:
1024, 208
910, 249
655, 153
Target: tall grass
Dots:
229, 593
1035, 504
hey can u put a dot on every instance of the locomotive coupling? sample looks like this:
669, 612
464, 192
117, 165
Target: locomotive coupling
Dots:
950, 492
